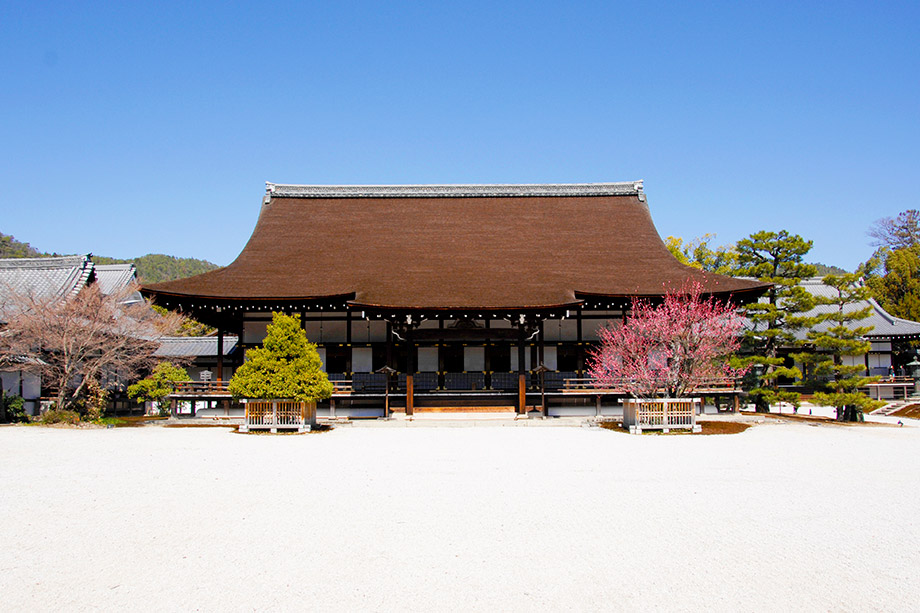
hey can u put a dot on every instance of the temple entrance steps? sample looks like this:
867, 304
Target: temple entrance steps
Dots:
464, 409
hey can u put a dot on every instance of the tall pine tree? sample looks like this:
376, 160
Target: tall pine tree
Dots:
777, 258
843, 337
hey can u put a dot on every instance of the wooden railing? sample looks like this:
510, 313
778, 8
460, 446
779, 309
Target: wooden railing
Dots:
201, 388
341, 387
583, 385
660, 414
279, 414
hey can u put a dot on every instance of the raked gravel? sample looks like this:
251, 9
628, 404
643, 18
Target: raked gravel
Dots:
781, 517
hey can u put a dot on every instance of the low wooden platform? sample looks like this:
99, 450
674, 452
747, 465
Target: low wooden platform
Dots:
463, 409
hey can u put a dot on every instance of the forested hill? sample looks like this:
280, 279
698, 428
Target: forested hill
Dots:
156, 267
151, 268
824, 269
12, 248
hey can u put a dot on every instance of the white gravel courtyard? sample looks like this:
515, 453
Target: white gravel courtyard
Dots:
780, 517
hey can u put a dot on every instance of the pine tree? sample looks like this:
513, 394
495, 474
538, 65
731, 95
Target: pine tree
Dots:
777, 258
286, 366
843, 337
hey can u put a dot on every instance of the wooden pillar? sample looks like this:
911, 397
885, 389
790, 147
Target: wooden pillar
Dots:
348, 348
579, 347
442, 382
521, 349
541, 345
487, 359
410, 395
522, 394
220, 353
389, 346
736, 403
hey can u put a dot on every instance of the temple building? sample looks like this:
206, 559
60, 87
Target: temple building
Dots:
463, 290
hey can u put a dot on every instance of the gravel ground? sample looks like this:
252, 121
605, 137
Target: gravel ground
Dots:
781, 517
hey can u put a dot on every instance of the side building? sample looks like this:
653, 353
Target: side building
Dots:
51, 278
463, 290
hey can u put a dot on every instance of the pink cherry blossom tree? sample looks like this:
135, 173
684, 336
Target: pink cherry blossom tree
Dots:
672, 348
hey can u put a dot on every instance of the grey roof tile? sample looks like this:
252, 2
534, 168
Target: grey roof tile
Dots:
45, 277
885, 325
193, 346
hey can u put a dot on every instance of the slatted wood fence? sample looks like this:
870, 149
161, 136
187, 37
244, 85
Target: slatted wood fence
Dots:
277, 415
661, 414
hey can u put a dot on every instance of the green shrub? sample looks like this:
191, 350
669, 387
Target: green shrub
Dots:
55, 416
158, 386
12, 409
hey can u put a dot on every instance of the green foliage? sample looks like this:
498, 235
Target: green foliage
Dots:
151, 268
776, 258
286, 366
822, 270
699, 254
56, 416
189, 326
893, 277
12, 409
156, 267
160, 384
842, 337
12, 248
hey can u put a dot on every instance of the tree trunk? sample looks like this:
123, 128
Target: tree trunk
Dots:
761, 405
848, 412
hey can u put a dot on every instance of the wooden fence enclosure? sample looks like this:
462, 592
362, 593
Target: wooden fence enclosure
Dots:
661, 414
277, 415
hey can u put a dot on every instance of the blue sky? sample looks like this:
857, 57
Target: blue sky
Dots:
152, 127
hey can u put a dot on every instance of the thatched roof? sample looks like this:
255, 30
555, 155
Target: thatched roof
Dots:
452, 247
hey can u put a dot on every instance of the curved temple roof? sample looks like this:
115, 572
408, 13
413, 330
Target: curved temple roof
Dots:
453, 247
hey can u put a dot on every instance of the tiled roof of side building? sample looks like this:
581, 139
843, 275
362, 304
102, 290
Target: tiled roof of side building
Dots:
113, 278
453, 247
884, 325
45, 277
193, 346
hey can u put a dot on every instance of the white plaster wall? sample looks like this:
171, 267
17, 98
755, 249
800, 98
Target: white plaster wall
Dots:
362, 359
427, 359
474, 359
10, 381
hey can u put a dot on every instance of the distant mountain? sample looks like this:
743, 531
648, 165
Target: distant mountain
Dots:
12, 248
824, 269
156, 267
151, 268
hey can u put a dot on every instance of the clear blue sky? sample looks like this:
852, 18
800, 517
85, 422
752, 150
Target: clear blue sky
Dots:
151, 127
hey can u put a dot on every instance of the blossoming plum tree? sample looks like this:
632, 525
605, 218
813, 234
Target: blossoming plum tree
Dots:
672, 348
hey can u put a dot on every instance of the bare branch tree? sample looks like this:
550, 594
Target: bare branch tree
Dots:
88, 339
899, 232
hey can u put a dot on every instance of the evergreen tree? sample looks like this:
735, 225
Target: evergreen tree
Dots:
286, 366
775, 257
842, 337
893, 278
